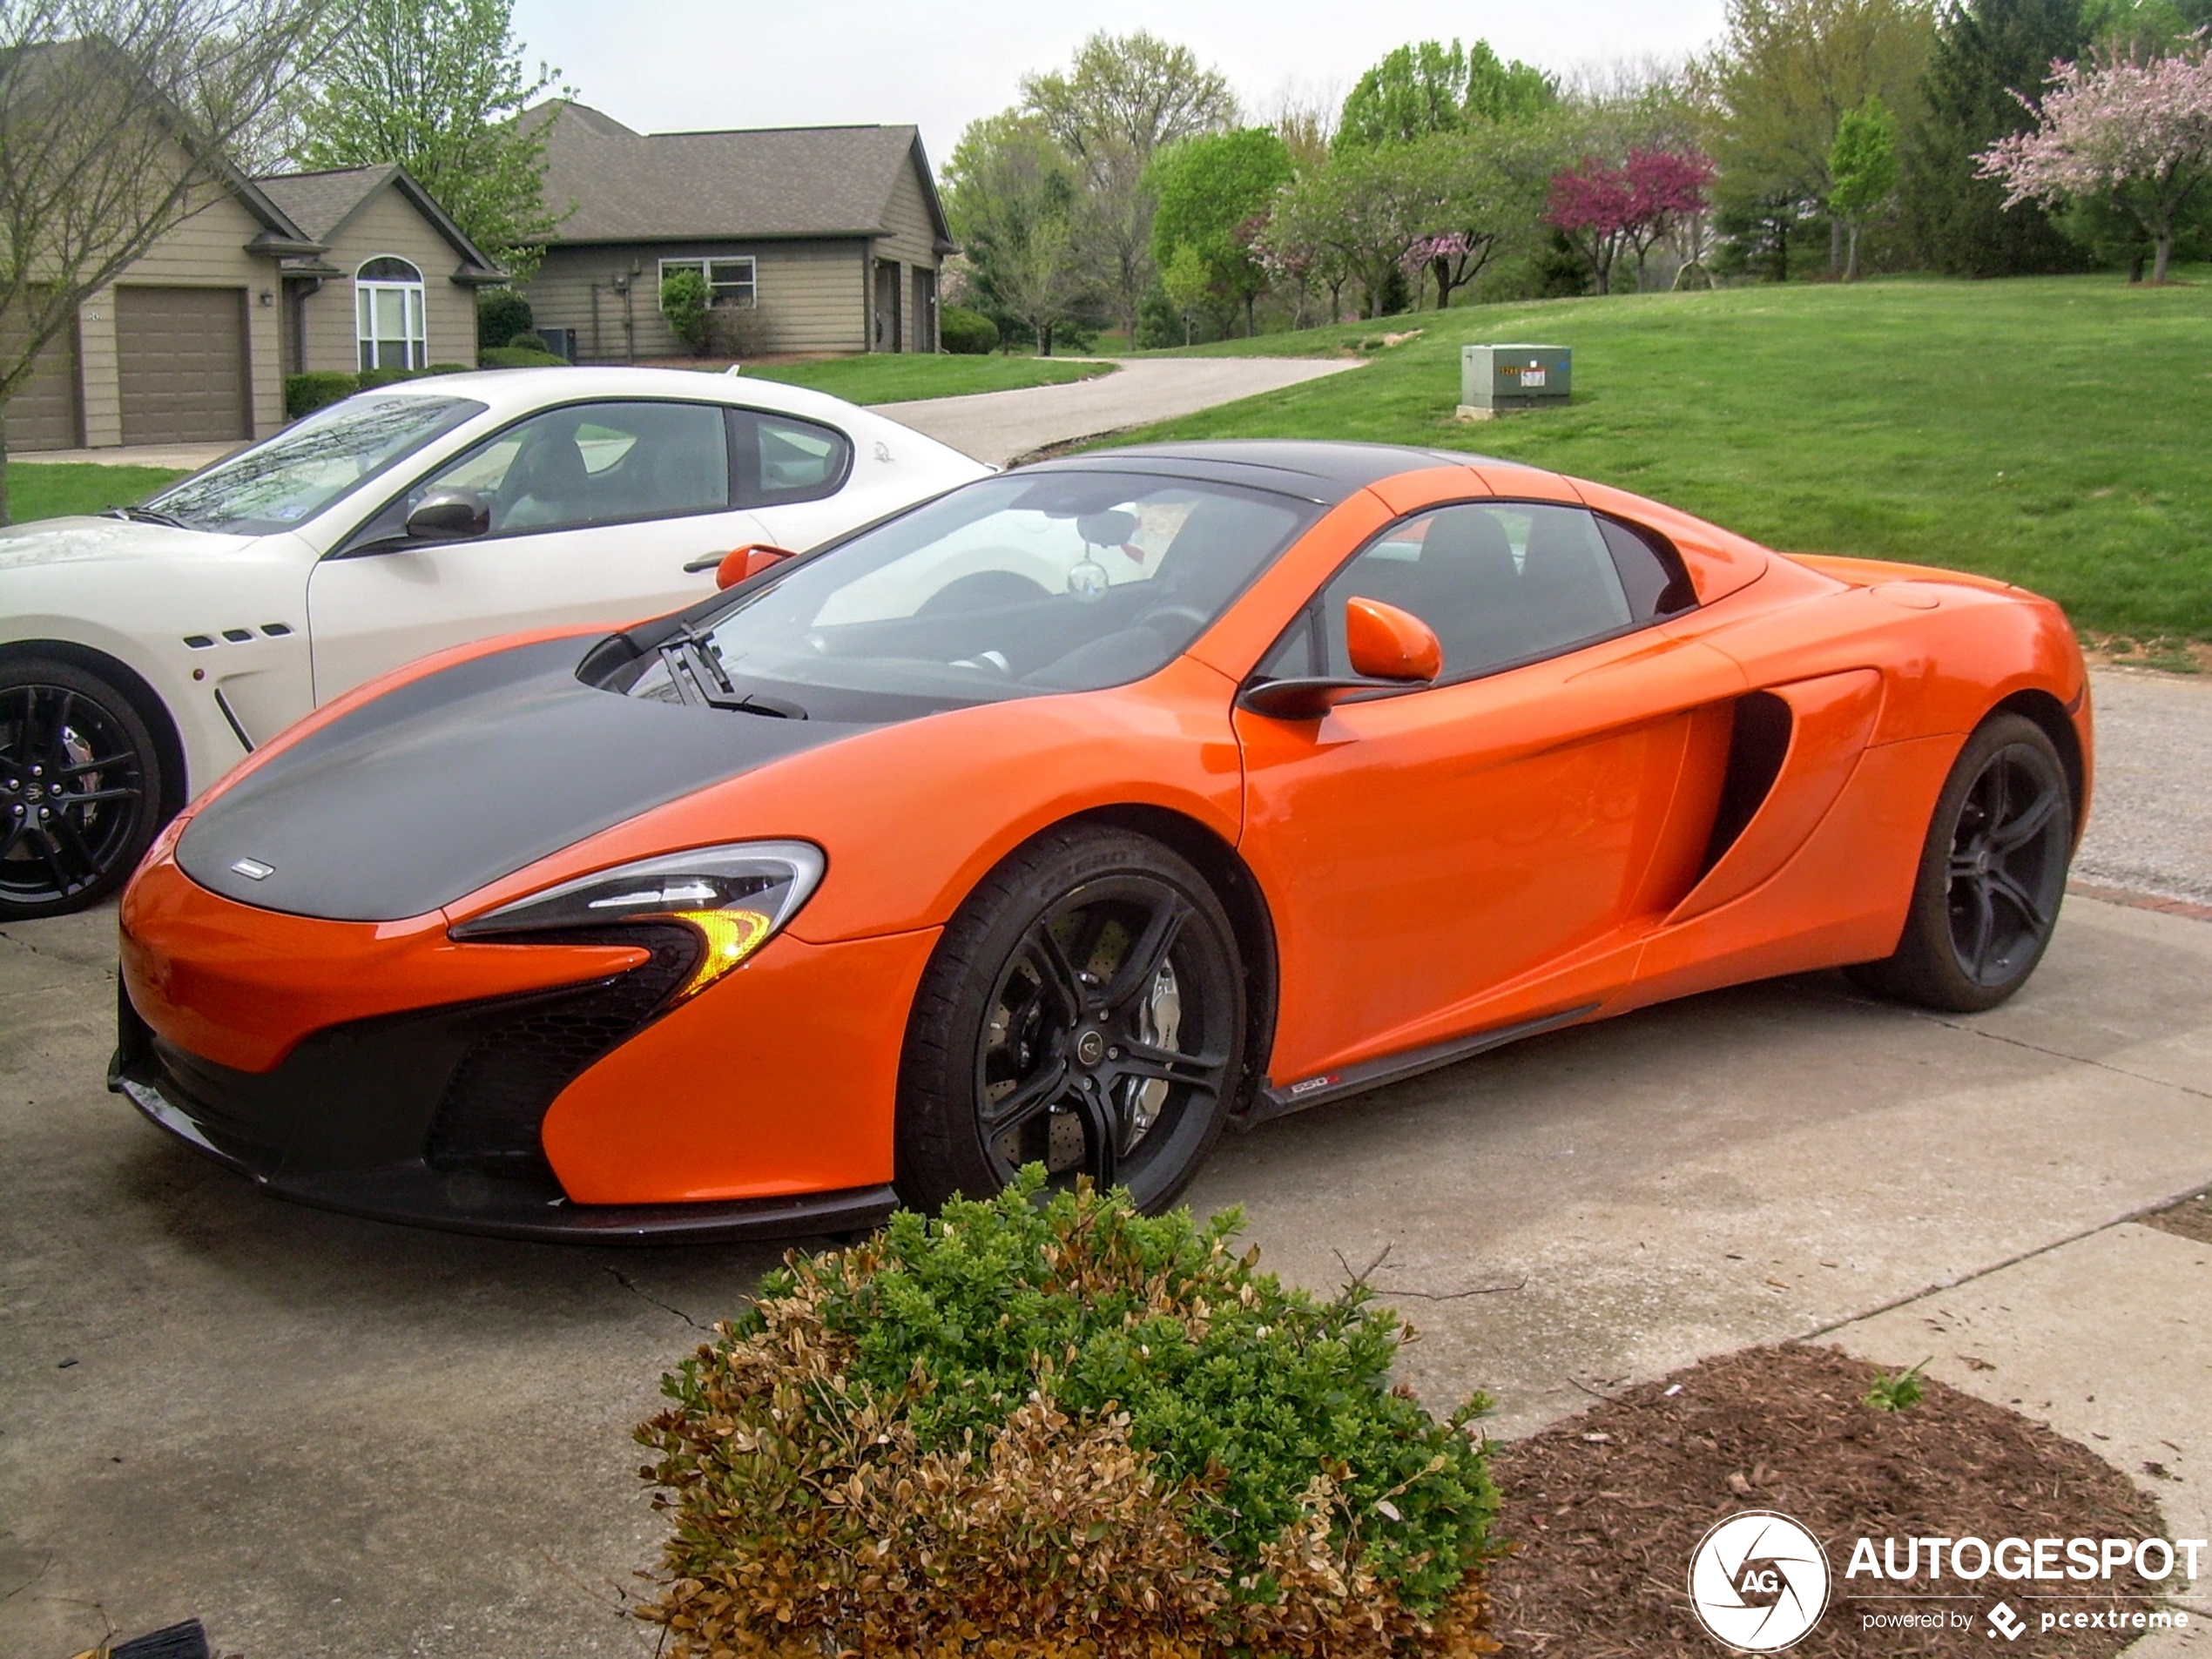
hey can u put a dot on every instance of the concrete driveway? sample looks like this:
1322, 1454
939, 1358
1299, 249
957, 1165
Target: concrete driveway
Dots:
1000, 427
332, 1436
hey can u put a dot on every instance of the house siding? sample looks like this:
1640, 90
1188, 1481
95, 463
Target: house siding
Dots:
207, 250
811, 294
911, 239
389, 225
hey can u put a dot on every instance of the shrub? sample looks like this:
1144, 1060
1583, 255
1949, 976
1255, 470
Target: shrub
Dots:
684, 300
501, 314
370, 379
736, 331
528, 342
305, 394
965, 332
519, 357
1040, 1425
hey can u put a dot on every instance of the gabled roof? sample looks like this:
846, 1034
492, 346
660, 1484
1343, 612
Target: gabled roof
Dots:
760, 182
323, 204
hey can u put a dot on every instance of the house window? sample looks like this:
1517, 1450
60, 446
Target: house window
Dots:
389, 317
728, 282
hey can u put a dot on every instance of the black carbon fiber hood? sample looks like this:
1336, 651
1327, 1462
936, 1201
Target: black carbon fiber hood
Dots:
455, 779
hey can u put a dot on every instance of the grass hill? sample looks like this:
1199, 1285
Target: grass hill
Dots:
2054, 431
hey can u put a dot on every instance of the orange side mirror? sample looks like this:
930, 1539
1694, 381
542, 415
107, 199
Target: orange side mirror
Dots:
746, 562
1387, 644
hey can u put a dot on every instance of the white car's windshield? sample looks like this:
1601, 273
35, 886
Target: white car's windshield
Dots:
1060, 580
304, 469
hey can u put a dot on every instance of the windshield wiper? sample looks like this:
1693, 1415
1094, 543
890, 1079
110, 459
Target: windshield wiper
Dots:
147, 516
698, 671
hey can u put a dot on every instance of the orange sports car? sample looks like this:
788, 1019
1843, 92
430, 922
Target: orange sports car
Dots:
1068, 818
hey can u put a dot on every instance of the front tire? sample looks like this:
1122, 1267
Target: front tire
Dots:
1993, 874
80, 788
1084, 1010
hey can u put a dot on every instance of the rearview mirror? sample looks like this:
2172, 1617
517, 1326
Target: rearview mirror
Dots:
1390, 650
743, 563
449, 516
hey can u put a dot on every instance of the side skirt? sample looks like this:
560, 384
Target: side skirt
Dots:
1278, 1100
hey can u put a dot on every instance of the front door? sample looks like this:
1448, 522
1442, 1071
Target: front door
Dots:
1484, 851
596, 509
887, 336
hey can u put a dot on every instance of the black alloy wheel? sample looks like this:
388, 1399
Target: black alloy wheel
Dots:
80, 788
1085, 1011
1992, 877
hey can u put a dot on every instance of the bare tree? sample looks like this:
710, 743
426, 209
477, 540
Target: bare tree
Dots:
117, 123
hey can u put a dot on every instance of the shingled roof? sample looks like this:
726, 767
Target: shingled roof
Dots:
751, 184
320, 204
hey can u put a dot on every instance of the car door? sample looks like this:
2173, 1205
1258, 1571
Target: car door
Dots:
595, 512
1485, 850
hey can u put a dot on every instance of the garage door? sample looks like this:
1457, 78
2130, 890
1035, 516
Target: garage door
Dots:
43, 413
180, 360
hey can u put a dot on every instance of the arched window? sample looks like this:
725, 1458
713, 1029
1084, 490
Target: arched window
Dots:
389, 316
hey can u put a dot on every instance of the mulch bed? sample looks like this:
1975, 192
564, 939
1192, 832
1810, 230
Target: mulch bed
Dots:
1606, 1507
2192, 1217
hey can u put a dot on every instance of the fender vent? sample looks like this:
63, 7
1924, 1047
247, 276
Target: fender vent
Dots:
1757, 743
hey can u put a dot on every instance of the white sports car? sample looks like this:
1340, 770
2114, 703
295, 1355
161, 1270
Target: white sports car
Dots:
141, 653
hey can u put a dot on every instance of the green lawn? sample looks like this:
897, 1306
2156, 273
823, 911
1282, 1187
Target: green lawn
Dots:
2055, 432
51, 489
896, 378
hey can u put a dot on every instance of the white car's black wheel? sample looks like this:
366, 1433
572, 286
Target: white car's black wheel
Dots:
1084, 1010
1993, 874
80, 788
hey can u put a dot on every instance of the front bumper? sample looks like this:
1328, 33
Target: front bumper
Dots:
352, 1121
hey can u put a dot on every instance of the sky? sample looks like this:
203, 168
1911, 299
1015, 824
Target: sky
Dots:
941, 64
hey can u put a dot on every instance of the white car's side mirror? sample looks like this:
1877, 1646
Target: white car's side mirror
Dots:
449, 516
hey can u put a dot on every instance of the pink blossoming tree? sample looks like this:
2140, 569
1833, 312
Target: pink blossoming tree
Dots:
2134, 133
1607, 211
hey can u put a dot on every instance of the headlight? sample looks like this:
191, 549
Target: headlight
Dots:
735, 898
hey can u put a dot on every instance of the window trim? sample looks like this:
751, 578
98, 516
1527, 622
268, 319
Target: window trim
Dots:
1309, 619
704, 264
359, 542
415, 312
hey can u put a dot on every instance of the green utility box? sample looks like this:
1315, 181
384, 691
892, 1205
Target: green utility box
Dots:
1512, 377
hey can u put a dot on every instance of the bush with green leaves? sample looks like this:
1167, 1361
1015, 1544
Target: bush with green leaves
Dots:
519, 357
965, 332
685, 299
501, 314
318, 388
1048, 1422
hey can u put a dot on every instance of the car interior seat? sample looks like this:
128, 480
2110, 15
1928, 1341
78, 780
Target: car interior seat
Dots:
548, 485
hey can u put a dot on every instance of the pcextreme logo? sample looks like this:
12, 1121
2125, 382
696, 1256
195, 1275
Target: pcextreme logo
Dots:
1759, 1581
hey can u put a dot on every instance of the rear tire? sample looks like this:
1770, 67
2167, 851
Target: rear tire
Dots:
80, 788
1991, 876
1085, 1009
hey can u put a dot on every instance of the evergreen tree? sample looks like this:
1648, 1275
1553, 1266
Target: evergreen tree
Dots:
1986, 51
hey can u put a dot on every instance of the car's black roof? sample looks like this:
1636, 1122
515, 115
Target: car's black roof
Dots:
1314, 470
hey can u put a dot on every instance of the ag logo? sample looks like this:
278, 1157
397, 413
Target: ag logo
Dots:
1759, 1581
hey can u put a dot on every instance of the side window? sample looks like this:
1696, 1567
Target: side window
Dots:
782, 458
1651, 572
586, 464
1500, 582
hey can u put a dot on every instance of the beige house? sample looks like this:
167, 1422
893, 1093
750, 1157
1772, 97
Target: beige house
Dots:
191, 344
831, 236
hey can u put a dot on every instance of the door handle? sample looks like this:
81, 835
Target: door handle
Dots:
704, 563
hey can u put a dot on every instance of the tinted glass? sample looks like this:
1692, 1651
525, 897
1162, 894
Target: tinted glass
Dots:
781, 458
593, 463
1500, 582
1007, 588
312, 464
1651, 573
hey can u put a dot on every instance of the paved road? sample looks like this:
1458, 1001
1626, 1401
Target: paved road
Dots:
2150, 827
331, 1436
998, 426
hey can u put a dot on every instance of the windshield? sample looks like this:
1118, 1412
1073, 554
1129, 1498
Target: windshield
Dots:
1010, 587
311, 463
